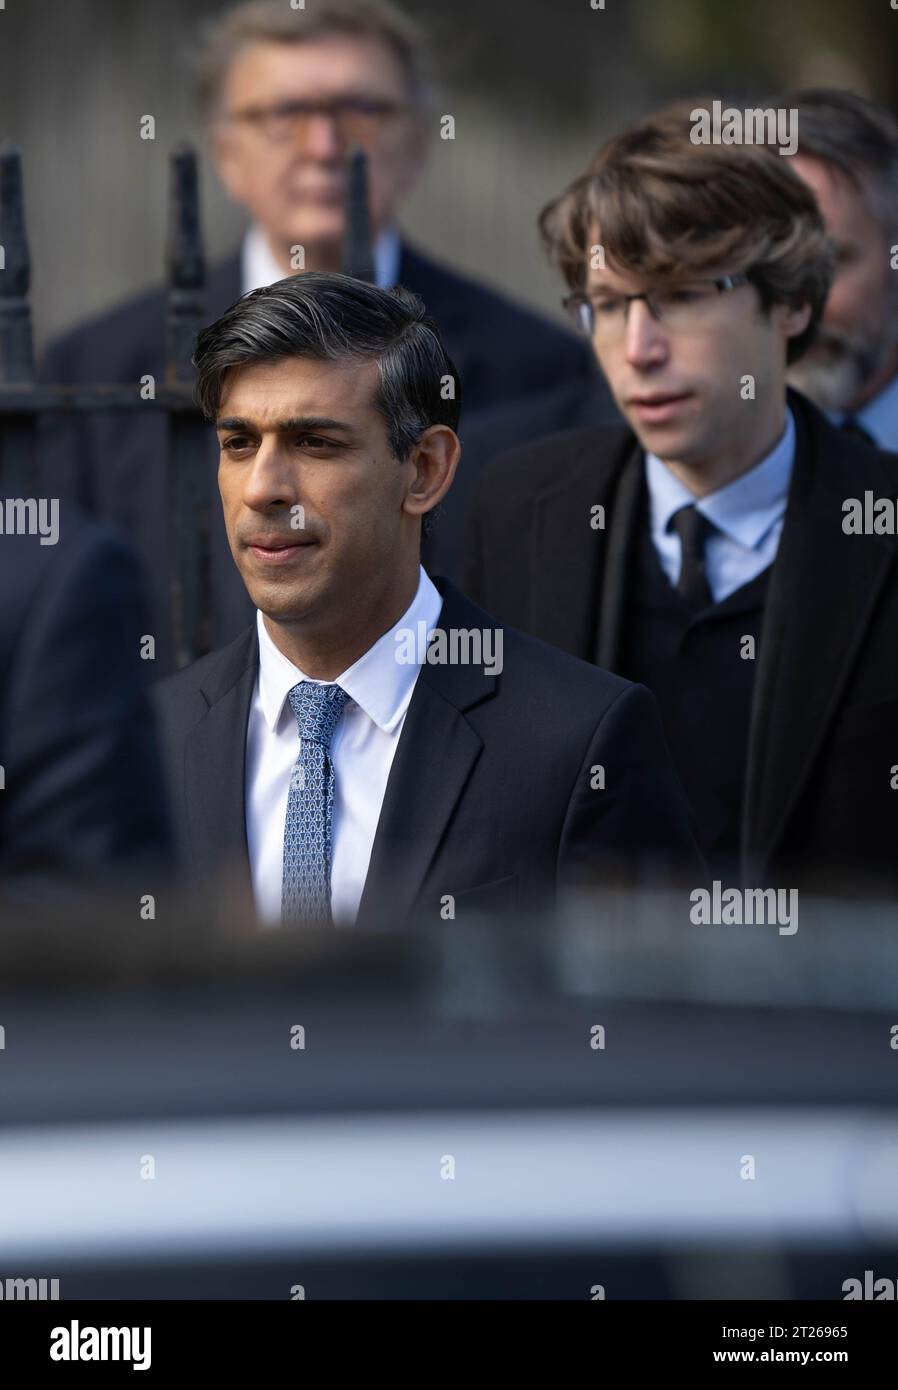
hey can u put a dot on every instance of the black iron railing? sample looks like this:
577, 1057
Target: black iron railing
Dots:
23, 398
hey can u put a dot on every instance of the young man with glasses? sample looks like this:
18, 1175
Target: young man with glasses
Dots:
700, 548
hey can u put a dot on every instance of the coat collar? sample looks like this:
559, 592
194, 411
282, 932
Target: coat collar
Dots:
582, 513
824, 586
215, 757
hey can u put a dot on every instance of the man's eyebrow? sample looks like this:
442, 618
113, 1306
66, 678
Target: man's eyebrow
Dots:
294, 424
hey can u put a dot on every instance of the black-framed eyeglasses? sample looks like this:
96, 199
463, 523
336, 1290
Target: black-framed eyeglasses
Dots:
358, 120
679, 306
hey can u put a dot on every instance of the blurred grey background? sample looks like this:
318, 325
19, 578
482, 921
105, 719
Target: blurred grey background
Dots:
534, 86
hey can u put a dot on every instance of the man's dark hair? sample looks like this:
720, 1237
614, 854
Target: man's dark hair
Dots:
665, 207
336, 318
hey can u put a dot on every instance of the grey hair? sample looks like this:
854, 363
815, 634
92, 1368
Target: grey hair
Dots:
855, 136
272, 21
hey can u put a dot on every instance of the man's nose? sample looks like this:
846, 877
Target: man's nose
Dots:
270, 481
645, 338
320, 137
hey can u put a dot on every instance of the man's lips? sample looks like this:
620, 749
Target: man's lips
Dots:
276, 550
277, 542
658, 397
323, 193
658, 406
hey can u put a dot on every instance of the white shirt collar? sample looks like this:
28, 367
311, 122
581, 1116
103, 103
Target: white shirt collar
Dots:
380, 684
258, 266
745, 509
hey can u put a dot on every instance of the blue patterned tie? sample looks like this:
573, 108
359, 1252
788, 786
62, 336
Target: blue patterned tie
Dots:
306, 891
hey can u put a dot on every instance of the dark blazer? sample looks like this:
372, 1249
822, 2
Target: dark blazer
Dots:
84, 795
113, 465
493, 432
819, 810
489, 796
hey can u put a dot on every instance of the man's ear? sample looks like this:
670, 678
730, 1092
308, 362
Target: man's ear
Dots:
794, 318
433, 462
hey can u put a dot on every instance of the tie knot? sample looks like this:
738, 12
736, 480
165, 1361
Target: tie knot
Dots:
690, 525
317, 709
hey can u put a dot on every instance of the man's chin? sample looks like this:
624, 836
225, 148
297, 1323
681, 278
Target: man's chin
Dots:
671, 441
831, 383
281, 602
321, 226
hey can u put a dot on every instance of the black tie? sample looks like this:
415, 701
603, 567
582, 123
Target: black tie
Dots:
692, 584
852, 425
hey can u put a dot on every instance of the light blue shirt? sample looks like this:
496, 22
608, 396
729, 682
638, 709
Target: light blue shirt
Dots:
746, 516
879, 417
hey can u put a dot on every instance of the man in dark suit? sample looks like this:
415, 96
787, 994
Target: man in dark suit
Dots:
708, 548
82, 803
373, 748
284, 94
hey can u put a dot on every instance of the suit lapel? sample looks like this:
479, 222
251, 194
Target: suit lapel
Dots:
568, 555
436, 754
214, 759
824, 586
627, 513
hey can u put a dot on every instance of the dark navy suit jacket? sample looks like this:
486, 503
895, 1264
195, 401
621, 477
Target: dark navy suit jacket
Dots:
83, 800
493, 795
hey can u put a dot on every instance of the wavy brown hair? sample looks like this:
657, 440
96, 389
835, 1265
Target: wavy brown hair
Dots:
664, 208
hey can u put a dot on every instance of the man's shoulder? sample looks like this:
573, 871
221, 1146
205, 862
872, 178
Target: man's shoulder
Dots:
556, 459
573, 405
85, 550
837, 462
135, 324
535, 672
51, 588
112, 335
877, 469
440, 286
573, 683
209, 677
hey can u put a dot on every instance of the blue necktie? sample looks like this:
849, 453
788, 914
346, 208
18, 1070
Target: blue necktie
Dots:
306, 891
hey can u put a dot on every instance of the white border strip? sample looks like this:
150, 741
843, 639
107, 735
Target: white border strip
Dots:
374, 1183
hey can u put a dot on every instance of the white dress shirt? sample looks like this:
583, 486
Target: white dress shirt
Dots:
364, 743
259, 267
747, 517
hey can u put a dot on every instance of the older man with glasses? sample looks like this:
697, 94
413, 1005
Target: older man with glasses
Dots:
285, 95
701, 548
